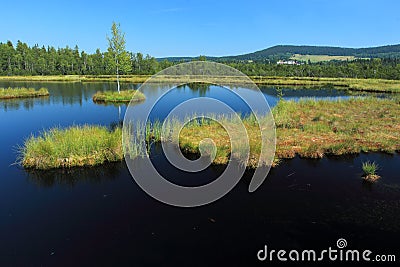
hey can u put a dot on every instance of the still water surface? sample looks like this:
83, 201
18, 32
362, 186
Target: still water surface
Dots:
99, 216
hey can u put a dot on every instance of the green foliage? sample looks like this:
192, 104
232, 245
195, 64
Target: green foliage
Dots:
202, 58
279, 93
387, 68
25, 60
117, 57
282, 51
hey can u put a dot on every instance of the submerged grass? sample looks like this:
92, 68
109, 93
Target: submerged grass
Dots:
115, 97
75, 146
307, 128
22, 92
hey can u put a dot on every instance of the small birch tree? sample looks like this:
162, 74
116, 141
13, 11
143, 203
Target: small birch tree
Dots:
118, 58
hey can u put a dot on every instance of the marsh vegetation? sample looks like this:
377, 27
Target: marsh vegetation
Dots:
308, 128
22, 92
118, 97
74, 146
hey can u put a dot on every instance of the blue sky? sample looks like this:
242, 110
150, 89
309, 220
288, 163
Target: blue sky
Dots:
191, 28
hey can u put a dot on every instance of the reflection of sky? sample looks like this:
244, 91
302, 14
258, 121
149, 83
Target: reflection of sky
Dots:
229, 96
176, 96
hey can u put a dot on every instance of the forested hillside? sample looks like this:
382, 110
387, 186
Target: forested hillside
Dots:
285, 51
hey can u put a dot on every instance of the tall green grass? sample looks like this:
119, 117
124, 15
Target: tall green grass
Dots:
370, 169
74, 146
22, 92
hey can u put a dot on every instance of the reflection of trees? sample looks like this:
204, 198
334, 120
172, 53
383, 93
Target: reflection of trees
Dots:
202, 88
65, 93
72, 176
26, 103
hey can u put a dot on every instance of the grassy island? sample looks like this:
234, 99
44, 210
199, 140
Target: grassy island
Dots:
124, 96
313, 129
75, 146
308, 128
22, 92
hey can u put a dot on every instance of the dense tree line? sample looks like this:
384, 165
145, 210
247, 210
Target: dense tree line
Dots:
24, 60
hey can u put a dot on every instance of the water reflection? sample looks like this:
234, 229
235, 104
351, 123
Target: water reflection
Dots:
64, 93
303, 203
25, 103
77, 93
201, 88
72, 176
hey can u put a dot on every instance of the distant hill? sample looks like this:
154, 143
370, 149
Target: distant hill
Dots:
287, 51
185, 59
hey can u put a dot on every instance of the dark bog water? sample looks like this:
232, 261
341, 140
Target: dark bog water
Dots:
100, 217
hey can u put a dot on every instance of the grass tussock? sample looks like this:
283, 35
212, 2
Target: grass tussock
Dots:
22, 92
115, 97
75, 146
369, 169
